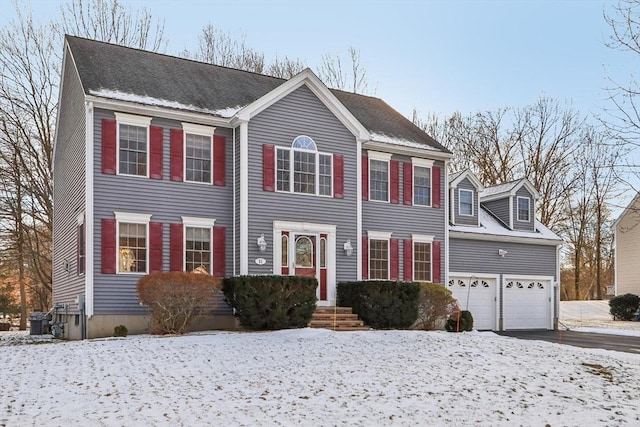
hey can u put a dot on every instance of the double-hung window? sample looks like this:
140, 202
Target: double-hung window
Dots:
379, 255
198, 153
422, 258
421, 181
133, 144
132, 246
379, 176
303, 169
465, 199
198, 244
524, 204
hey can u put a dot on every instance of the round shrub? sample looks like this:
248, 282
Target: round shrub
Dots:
464, 323
624, 307
120, 331
435, 305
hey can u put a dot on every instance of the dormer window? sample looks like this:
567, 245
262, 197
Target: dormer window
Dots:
465, 200
312, 170
524, 204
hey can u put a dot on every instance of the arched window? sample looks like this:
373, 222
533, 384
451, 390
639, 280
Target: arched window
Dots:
304, 252
302, 169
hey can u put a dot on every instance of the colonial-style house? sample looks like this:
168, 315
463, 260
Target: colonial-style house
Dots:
167, 164
627, 249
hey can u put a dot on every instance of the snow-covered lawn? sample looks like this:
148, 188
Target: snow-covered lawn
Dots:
310, 377
594, 316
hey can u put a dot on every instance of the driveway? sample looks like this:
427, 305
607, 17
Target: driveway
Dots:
580, 339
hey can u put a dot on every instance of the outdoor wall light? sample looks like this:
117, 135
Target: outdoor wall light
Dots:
502, 252
348, 248
262, 243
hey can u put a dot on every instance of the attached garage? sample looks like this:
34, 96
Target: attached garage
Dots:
479, 295
527, 302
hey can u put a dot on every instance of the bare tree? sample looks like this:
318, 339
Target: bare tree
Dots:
285, 68
353, 78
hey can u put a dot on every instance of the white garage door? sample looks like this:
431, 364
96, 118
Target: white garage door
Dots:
481, 293
527, 303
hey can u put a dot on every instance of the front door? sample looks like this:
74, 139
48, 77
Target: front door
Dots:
305, 255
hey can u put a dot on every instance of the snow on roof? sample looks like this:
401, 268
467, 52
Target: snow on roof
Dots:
379, 137
148, 100
455, 175
492, 227
500, 188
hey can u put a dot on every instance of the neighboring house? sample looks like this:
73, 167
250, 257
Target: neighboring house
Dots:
167, 164
627, 249
503, 264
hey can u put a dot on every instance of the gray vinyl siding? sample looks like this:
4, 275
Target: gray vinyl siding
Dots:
476, 256
403, 220
301, 113
500, 209
465, 184
523, 225
69, 189
166, 201
236, 148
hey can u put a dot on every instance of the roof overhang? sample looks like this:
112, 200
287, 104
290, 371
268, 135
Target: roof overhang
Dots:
502, 238
387, 147
524, 182
629, 208
471, 177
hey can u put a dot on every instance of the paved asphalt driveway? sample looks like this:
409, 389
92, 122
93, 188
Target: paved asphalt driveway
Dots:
581, 339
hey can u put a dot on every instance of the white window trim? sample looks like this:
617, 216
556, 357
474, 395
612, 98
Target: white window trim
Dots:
133, 120
379, 235
518, 208
460, 190
419, 238
422, 238
388, 161
194, 222
317, 153
208, 131
425, 163
132, 218
413, 184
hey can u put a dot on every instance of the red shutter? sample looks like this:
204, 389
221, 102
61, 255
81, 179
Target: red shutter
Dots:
435, 186
436, 262
108, 246
395, 181
365, 257
268, 167
155, 152
365, 178
408, 260
219, 160
338, 176
407, 169
109, 146
218, 251
394, 258
177, 141
176, 248
155, 247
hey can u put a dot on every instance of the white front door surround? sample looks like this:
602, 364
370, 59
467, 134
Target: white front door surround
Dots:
307, 229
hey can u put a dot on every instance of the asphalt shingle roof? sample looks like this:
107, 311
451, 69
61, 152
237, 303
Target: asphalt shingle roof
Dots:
110, 70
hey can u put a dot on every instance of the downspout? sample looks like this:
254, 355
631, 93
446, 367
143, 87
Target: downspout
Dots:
556, 302
235, 207
446, 225
87, 307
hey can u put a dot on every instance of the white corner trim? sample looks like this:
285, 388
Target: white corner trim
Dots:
358, 209
378, 235
422, 238
88, 206
132, 217
244, 198
425, 163
190, 221
198, 129
131, 119
378, 155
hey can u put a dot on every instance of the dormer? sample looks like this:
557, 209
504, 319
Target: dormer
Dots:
464, 193
512, 203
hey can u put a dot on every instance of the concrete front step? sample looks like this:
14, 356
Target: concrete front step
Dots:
337, 318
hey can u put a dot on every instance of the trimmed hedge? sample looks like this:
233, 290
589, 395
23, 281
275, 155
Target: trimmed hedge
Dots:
272, 302
382, 304
436, 305
624, 307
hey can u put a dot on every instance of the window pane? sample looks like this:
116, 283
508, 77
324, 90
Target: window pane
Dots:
304, 177
523, 209
132, 256
422, 186
304, 142
422, 262
198, 249
282, 170
198, 158
133, 150
323, 253
325, 176
466, 202
379, 259
379, 180
285, 251
304, 252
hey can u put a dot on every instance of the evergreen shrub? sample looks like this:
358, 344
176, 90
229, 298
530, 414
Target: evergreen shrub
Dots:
435, 305
271, 302
465, 323
120, 331
175, 298
382, 304
624, 307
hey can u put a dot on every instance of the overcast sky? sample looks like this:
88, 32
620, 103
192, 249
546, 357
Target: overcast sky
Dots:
435, 56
